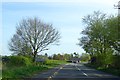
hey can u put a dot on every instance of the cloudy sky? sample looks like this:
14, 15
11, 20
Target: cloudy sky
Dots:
65, 15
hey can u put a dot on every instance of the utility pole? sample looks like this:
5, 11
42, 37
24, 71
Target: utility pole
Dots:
118, 7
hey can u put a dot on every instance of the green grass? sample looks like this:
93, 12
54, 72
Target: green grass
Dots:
112, 71
29, 71
54, 63
22, 72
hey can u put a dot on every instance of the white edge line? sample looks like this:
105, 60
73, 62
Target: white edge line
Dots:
82, 71
85, 74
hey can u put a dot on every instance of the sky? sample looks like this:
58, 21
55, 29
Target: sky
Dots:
65, 15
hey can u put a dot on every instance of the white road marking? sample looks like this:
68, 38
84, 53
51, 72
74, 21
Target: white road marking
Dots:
55, 73
78, 69
81, 70
61, 67
85, 74
50, 77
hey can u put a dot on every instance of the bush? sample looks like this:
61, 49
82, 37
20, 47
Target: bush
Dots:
19, 61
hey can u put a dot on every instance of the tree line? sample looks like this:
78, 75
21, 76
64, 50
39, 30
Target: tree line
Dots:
65, 56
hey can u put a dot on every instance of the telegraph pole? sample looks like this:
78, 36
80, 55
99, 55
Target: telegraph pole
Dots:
118, 7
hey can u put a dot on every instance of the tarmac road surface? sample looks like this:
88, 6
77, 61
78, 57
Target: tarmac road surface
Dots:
74, 71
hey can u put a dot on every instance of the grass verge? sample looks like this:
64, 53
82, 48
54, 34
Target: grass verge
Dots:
22, 72
28, 71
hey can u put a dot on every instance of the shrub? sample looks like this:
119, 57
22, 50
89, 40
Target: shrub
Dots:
19, 61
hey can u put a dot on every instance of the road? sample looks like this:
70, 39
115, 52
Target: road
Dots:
73, 71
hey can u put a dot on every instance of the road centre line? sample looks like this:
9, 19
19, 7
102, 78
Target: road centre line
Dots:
56, 72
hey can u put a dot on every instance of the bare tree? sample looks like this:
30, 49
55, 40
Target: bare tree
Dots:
34, 34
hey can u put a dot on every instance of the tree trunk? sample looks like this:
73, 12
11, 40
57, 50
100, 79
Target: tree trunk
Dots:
34, 56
